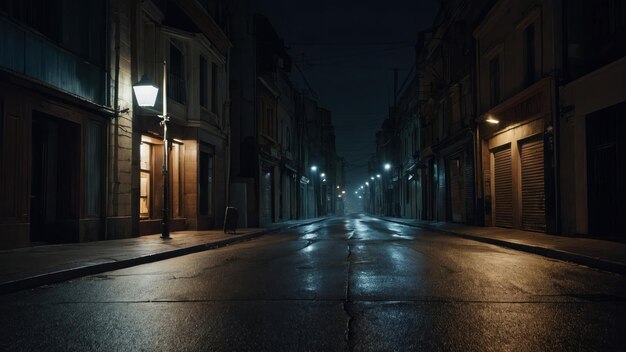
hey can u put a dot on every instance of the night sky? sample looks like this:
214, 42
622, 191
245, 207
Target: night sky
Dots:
347, 51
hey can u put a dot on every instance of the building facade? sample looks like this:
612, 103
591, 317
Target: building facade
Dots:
590, 128
62, 96
189, 37
516, 105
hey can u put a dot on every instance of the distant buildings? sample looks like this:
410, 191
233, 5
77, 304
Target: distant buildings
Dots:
81, 161
511, 119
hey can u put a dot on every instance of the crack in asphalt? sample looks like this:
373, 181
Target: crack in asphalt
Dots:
348, 297
581, 301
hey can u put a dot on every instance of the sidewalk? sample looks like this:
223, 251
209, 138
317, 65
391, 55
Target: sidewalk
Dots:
595, 253
35, 266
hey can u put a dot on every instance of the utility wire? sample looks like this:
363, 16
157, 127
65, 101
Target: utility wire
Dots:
348, 43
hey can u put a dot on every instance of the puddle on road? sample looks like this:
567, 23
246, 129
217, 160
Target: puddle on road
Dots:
309, 236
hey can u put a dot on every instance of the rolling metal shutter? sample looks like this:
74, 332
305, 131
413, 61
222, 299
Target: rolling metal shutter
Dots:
533, 192
503, 181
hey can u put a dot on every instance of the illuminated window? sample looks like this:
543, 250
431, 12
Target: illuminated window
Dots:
145, 179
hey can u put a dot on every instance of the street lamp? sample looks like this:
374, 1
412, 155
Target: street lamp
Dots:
378, 175
372, 178
146, 93
313, 168
387, 167
323, 175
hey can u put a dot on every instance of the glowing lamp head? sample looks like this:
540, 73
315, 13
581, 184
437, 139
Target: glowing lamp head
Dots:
387, 167
145, 92
492, 120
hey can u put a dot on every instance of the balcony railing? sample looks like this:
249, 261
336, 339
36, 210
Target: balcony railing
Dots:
33, 56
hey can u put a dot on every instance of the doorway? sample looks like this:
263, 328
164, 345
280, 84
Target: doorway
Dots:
55, 184
606, 170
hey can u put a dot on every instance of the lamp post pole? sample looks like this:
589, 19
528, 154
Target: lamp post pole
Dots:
165, 225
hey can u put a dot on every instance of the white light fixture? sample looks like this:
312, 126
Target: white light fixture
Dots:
145, 92
313, 168
378, 175
323, 174
372, 178
492, 120
367, 183
387, 167
343, 192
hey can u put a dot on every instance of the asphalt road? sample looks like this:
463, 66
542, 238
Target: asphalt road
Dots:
353, 283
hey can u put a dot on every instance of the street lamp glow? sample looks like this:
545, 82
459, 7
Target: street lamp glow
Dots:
360, 197
343, 192
324, 180
367, 183
313, 168
323, 174
372, 178
337, 187
145, 92
356, 192
378, 175
361, 187
492, 120
387, 167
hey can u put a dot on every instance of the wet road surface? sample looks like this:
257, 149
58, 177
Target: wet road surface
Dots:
354, 283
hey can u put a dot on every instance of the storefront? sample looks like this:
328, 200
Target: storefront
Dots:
517, 160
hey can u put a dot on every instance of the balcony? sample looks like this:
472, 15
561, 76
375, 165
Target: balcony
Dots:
34, 56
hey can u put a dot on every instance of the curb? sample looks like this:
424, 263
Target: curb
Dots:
592, 262
65, 275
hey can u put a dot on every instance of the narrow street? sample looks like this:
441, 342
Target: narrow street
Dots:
354, 283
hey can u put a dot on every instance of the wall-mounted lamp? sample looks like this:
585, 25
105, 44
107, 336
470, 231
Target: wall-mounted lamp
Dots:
492, 120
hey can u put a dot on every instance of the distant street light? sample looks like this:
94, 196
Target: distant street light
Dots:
387, 167
378, 175
313, 168
323, 175
146, 94
372, 178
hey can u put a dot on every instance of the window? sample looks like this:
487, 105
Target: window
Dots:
176, 77
529, 55
145, 180
205, 182
93, 168
214, 81
595, 34
175, 170
494, 80
204, 82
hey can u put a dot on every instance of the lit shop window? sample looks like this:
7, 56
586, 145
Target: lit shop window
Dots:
146, 177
